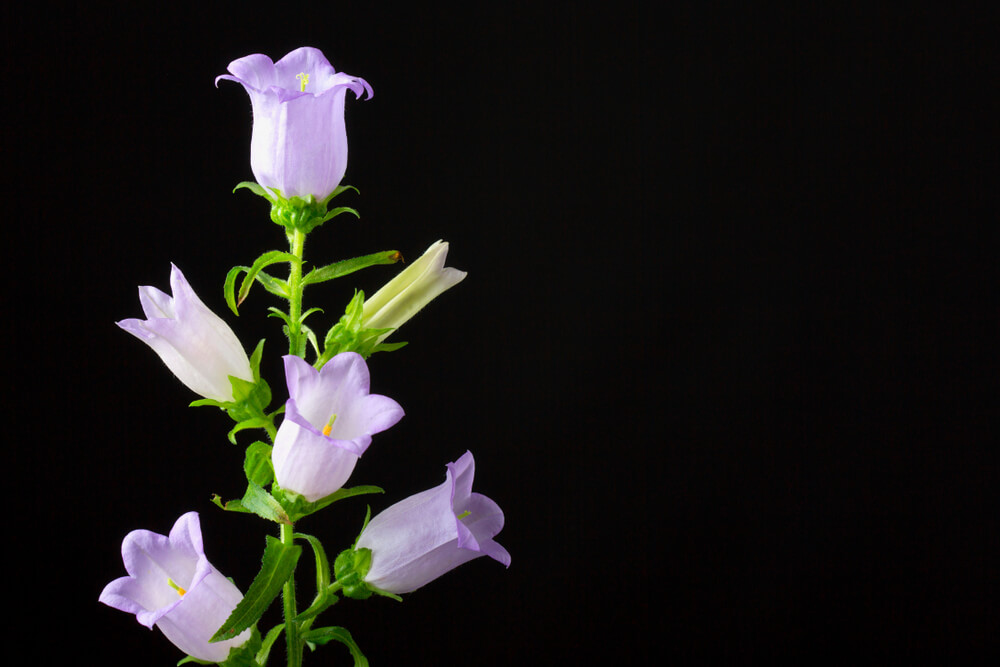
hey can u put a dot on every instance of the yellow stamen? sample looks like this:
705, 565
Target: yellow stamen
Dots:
303, 80
329, 426
464, 514
180, 591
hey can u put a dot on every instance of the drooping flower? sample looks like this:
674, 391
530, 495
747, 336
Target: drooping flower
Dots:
195, 343
421, 537
299, 142
415, 286
172, 585
329, 421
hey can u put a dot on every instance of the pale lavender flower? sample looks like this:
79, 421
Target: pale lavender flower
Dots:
195, 343
299, 142
421, 537
415, 286
172, 585
329, 421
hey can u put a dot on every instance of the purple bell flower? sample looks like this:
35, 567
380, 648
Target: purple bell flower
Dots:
299, 142
421, 537
329, 421
195, 343
172, 585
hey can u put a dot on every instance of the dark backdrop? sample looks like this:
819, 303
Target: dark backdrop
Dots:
723, 355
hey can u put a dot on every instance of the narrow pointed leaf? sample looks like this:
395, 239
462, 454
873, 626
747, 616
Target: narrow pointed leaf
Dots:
268, 258
265, 647
277, 567
343, 268
229, 288
337, 633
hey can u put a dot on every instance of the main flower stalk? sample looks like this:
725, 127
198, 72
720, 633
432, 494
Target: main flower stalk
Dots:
292, 643
297, 239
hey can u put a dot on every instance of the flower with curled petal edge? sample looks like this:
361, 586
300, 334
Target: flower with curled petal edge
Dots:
422, 537
171, 585
329, 421
298, 148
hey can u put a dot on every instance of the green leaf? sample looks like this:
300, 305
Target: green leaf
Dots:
244, 655
268, 258
279, 313
336, 633
230, 505
298, 507
324, 598
347, 266
257, 464
265, 648
263, 504
277, 566
275, 286
253, 422
229, 288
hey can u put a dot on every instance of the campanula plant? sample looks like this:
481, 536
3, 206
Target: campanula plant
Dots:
308, 445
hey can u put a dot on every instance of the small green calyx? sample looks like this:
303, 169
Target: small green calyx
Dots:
302, 214
350, 569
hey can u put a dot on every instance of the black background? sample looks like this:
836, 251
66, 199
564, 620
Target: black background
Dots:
724, 354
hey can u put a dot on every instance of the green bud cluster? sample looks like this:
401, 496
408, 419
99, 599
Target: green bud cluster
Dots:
302, 214
350, 569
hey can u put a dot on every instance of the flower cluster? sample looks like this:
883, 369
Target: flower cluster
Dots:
328, 421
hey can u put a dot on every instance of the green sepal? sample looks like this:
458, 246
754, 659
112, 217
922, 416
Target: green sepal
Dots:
350, 568
297, 506
348, 334
257, 464
277, 566
321, 636
244, 655
249, 398
299, 213
348, 266
269, 639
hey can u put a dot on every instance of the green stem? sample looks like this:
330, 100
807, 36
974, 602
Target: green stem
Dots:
297, 239
292, 642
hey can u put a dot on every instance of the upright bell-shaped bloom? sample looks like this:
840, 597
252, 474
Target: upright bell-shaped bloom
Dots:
421, 537
172, 585
195, 344
329, 421
299, 142
415, 286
